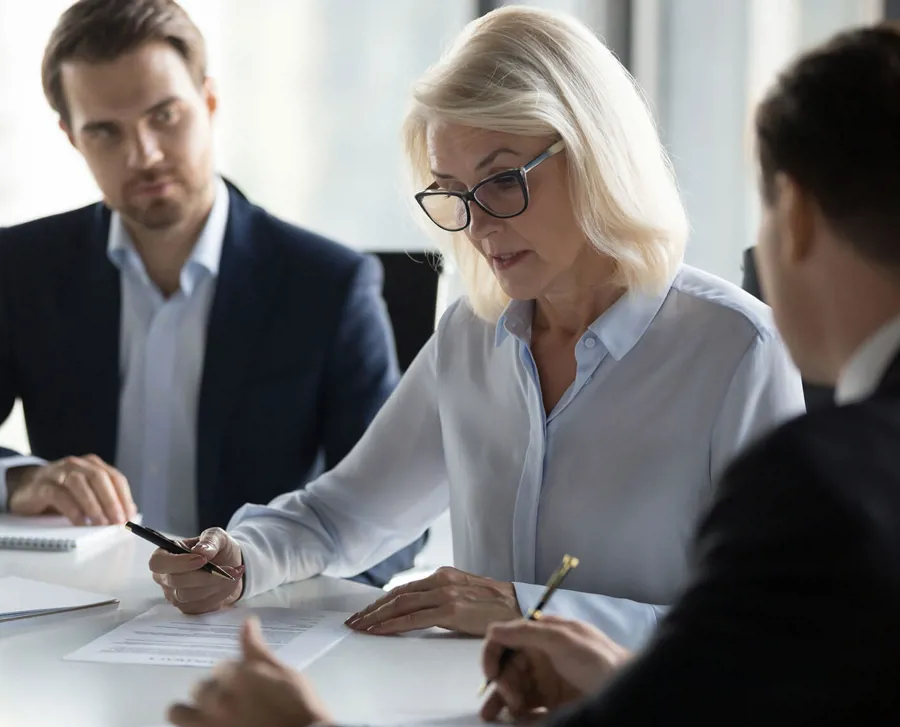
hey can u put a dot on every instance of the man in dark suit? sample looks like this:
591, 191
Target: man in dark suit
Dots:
178, 350
793, 616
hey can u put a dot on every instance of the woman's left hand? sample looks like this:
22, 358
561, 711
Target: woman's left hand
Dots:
257, 691
451, 599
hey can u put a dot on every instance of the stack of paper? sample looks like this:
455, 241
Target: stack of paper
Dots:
23, 598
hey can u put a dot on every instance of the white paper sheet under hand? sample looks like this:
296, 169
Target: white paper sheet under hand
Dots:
164, 636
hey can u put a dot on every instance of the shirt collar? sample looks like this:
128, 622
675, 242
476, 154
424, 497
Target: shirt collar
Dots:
868, 365
206, 254
618, 328
515, 320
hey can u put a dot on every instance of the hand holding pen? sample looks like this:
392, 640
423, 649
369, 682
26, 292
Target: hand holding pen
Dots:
544, 662
197, 575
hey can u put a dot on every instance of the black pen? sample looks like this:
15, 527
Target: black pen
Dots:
161, 541
568, 563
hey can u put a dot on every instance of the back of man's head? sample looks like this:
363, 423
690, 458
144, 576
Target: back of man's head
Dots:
832, 124
98, 31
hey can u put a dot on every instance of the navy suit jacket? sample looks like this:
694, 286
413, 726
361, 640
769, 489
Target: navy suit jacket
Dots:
299, 353
792, 616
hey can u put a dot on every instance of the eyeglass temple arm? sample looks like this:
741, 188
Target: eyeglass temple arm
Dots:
553, 149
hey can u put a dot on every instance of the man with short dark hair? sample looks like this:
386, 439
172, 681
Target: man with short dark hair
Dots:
177, 350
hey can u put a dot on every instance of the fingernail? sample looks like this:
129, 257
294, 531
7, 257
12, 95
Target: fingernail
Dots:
120, 516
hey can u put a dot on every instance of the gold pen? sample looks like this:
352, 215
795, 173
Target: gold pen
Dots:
568, 563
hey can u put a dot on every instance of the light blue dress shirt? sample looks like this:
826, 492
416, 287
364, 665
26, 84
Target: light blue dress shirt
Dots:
162, 348
162, 344
668, 389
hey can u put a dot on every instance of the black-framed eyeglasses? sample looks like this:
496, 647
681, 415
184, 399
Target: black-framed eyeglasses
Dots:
502, 195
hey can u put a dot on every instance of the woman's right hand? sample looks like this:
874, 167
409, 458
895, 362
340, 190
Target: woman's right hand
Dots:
192, 590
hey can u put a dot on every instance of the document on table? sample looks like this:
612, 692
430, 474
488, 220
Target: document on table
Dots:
24, 598
165, 636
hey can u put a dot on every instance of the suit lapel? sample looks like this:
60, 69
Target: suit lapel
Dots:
92, 306
240, 306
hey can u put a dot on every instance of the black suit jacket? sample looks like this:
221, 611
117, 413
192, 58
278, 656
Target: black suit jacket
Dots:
299, 353
817, 397
794, 617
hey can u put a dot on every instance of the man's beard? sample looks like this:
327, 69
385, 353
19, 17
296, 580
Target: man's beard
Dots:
158, 215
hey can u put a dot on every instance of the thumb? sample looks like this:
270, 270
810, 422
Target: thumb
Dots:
210, 542
253, 645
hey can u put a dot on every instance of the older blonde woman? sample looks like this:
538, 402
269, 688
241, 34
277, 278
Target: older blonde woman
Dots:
581, 398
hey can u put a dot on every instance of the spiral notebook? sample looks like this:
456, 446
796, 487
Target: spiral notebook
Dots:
51, 533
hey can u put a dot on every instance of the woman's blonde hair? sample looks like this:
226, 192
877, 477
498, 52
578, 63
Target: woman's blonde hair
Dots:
534, 72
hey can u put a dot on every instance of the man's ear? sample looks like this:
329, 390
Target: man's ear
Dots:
210, 95
68, 132
795, 213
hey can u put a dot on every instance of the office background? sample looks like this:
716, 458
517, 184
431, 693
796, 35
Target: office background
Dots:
312, 93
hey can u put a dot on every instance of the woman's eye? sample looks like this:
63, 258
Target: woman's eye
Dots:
507, 182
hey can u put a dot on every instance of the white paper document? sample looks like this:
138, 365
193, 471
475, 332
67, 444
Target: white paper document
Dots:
165, 636
23, 598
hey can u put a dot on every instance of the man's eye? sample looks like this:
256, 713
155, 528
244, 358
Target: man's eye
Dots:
165, 115
103, 133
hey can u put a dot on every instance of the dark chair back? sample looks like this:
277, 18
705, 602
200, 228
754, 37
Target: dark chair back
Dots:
410, 291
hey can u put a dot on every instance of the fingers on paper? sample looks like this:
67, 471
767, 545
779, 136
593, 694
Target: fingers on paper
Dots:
100, 490
400, 606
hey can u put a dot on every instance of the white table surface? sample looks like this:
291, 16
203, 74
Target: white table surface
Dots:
364, 679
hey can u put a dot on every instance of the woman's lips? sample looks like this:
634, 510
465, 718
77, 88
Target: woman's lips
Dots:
508, 259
